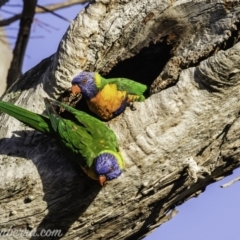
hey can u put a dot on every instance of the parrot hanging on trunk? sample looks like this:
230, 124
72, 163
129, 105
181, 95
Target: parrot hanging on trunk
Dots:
87, 140
107, 98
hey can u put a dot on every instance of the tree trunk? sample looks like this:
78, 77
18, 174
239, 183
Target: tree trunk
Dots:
178, 141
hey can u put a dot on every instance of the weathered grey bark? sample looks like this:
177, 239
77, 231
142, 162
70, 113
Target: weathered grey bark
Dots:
176, 143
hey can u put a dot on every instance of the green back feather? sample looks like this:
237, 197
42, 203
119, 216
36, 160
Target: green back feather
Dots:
130, 86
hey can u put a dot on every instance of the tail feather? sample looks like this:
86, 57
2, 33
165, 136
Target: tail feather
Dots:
36, 121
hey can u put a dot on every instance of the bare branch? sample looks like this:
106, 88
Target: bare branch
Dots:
10, 20
46, 27
231, 182
48, 8
22, 40
52, 12
60, 5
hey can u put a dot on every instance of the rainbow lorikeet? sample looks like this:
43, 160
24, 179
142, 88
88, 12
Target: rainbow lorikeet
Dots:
87, 140
107, 98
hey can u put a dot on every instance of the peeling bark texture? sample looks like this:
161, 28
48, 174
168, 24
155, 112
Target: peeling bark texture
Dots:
176, 143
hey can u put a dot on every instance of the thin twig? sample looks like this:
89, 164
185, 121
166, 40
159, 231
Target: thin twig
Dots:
8, 12
13, 5
64, 4
231, 182
36, 37
53, 13
12, 28
51, 8
39, 22
8, 21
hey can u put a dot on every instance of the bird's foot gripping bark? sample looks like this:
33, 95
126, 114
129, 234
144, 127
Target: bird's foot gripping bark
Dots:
131, 106
194, 171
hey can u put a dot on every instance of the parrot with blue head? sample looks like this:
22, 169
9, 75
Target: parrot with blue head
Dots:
107, 98
86, 140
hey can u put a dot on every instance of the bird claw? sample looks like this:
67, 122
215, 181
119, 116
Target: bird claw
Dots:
131, 106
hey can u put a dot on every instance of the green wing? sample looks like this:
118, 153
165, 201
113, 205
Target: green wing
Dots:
130, 86
36, 121
84, 138
84, 135
78, 141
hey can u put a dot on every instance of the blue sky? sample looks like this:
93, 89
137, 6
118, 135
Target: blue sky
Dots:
213, 215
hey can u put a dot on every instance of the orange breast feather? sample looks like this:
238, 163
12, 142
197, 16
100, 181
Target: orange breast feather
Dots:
107, 101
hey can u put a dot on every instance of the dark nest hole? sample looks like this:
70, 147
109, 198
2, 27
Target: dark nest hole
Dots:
145, 66
233, 39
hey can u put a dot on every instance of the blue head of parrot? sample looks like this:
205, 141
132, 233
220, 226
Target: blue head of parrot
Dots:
84, 82
106, 167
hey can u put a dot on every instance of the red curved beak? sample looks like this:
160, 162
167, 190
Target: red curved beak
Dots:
102, 179
75, 89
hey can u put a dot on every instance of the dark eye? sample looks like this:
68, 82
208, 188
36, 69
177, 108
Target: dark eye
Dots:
84, 81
